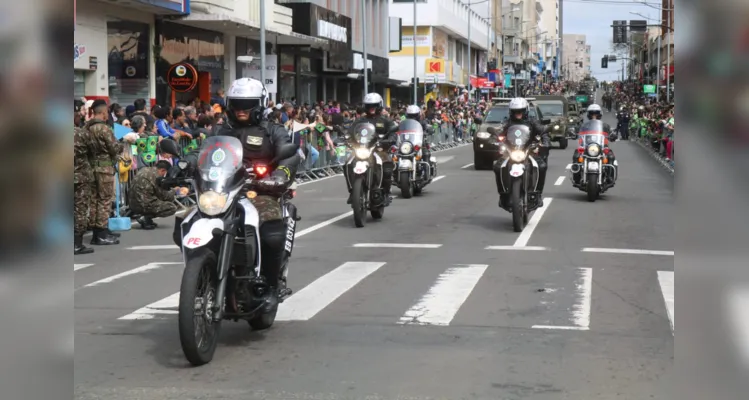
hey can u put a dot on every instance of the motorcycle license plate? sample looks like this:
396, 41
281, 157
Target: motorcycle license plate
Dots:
517, 170
360, 167
593, 166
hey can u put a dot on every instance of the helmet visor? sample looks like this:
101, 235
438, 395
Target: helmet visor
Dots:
244, 104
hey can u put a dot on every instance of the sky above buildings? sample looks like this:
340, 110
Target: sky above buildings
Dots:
593, 18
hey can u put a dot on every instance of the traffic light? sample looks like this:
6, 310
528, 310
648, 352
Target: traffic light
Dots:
605, 62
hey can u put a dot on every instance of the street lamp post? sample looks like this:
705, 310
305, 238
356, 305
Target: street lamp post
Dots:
416, 87
262, 43
364, 46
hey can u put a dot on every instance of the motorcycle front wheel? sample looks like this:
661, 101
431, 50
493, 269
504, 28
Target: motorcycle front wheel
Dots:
518, 209
592, 187
198, 333
405, 183
358, 203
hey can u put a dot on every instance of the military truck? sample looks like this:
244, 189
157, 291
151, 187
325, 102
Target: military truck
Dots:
556, 110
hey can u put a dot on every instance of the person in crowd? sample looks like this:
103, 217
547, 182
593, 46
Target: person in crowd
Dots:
163, 126
148, 199
106, 152
82, 178
219, 98
140, 109
191, 119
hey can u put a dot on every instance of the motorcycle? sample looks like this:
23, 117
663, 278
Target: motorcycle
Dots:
413, 172
516, 152
364, 172
592, 173
221, 246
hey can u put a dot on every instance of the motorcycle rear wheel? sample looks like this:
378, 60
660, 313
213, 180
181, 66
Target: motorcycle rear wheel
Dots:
198, 334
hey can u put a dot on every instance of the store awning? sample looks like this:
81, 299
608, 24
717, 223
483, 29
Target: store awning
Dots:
241, 27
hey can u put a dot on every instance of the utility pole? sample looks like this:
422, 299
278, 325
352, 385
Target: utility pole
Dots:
262, 43
416, 86
364, 46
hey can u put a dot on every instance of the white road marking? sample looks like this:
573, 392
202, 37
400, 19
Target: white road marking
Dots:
142, 268
525, 248
443, 300
559, 181
155, 247
167, 305
445, 159
319, 294
76, 267
525, 235
737, 304
322, 224
467, 166
438, 178
628, 251
568, 166
399, 245
581, 310
666, 280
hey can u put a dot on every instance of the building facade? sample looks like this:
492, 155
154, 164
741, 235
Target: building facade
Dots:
576, 62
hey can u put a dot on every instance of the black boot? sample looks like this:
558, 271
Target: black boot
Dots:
78, 246
101, 238
272, 263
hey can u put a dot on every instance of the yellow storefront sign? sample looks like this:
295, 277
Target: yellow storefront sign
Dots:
434, 66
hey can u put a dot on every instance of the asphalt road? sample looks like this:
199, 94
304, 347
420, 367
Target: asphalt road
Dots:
546, 316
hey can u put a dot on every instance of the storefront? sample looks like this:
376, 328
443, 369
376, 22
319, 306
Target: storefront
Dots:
308, 74
202, 49
128, 61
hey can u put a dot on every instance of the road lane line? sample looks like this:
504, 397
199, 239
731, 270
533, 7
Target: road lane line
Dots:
399, 245
524, 248
666, 280
77, 267
438, 178
568, 166
525, 235
167, 305
322, 224
142, 268
314, 297
581, 310
467, 166
155, 247
628, 251
446, 159
443, 300
559, 181
736, 303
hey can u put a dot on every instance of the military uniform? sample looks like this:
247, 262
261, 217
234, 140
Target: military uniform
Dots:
106, 150
387, 137
147, 198
82, 178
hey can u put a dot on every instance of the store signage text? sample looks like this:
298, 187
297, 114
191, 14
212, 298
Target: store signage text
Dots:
182, 77
332, 31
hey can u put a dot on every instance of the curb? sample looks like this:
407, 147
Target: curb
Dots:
317, 174
657, 157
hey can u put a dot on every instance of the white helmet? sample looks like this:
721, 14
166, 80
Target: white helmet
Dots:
372, 99
518, 103
594, 108
246, 94
413, 110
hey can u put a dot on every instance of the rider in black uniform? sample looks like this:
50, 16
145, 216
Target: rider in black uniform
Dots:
386, 131
414, 112
594, 112
519, 116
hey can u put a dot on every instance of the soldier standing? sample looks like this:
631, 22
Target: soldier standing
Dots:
82, 178
106, 150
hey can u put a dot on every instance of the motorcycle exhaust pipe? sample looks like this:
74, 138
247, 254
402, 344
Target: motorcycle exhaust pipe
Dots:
575, 168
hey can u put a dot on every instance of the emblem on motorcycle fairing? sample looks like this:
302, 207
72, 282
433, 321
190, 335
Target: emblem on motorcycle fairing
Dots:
214, 173
518, 133
364, 132
218, 156
518, 142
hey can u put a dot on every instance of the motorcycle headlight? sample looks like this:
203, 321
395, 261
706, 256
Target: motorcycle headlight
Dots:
572, 120
483, 135
594, 150
182, 164
363, 153
212, 203
406, 148
517, 156
556, 127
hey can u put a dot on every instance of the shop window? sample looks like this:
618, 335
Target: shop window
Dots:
79, 84
287, 62
287, 86
305, 65
128, 44
308, 90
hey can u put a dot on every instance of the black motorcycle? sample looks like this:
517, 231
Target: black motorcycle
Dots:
519, 174
222, 277
364, 172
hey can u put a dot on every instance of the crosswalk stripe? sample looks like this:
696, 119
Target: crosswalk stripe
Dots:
319, 294
155, 247
666, 280
581, 310
628, 251
167, 305
77, 267
138, 270
443, 300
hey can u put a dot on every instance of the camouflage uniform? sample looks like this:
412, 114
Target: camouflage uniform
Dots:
268, 208
106, 152
82, 178
147, 198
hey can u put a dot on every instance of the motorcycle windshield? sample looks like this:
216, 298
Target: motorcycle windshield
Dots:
411, 131
219, 164
592, 132
518, 135
363, 133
